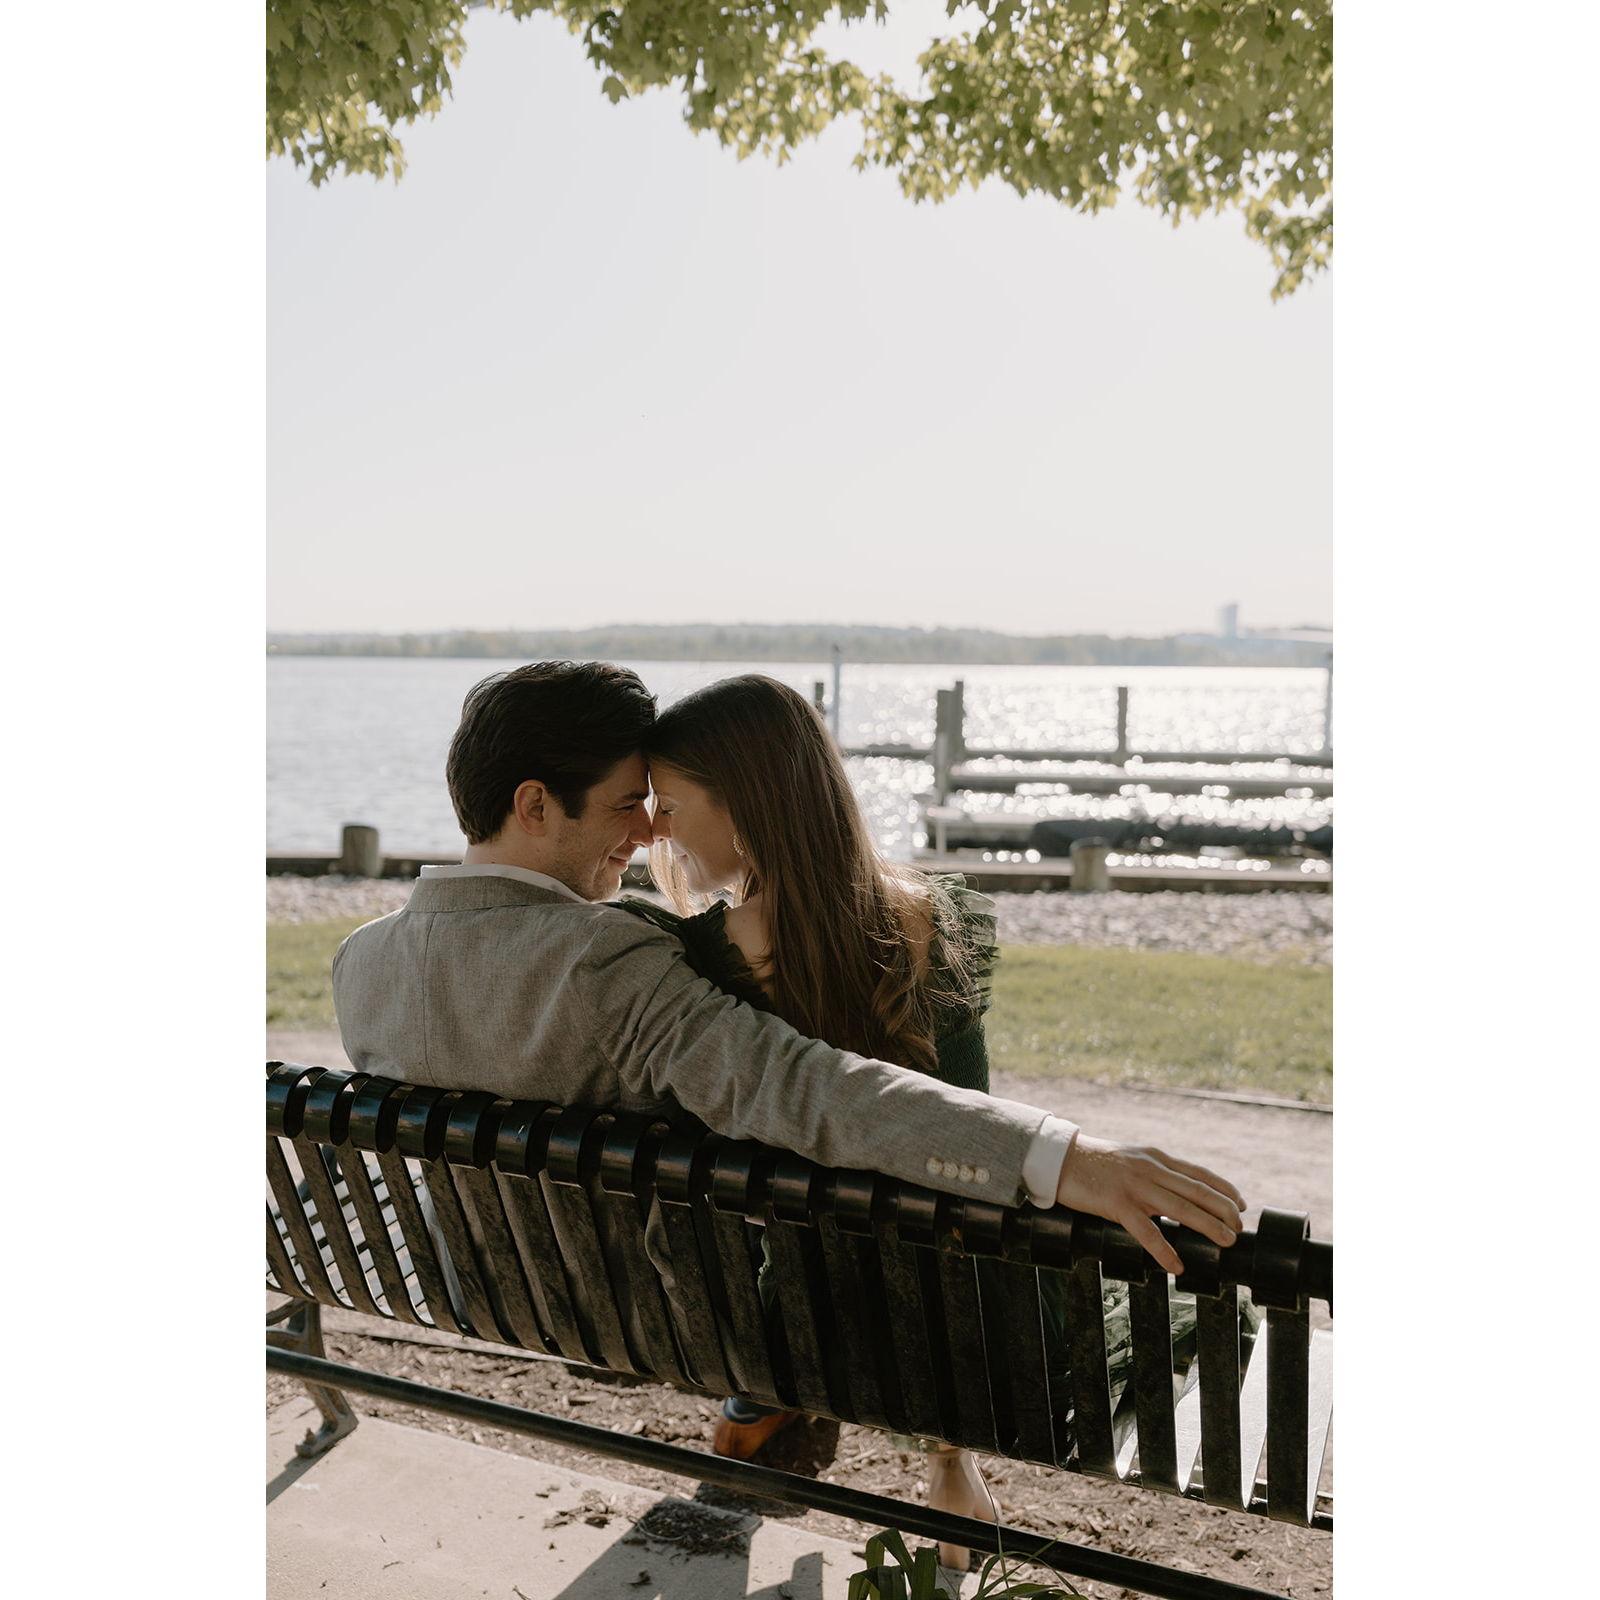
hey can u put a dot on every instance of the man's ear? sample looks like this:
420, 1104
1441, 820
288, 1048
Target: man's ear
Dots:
528, 807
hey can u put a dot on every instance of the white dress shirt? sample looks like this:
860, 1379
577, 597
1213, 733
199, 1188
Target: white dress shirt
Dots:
1047, 1154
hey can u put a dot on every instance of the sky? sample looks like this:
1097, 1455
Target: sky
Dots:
580, 366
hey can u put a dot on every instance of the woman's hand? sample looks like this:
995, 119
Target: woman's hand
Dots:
1129, 1185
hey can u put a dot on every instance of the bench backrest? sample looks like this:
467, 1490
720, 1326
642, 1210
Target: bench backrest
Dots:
897, 1307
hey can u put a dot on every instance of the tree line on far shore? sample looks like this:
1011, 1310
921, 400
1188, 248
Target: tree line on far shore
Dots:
813, 642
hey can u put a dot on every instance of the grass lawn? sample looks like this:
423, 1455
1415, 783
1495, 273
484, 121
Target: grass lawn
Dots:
299, 971
1118, 1016
1163, 1017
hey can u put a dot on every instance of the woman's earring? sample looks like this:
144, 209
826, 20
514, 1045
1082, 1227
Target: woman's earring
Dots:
738, 845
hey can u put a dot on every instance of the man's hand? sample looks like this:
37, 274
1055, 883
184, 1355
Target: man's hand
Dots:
1129, 1185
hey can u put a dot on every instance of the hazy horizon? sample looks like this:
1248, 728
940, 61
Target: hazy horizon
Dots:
579, 363
691, 623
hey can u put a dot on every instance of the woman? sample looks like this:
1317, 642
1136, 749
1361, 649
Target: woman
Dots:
752, 797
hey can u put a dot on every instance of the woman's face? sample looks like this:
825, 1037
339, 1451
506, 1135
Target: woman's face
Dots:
697, 827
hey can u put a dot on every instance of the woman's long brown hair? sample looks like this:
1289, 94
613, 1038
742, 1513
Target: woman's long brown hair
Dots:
844, 965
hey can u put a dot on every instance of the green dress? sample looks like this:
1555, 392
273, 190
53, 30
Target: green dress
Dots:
962, 916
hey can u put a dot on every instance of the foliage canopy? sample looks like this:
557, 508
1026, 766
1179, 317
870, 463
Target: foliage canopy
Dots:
1190, 107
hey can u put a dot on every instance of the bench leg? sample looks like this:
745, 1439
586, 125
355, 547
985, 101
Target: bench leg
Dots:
300, 1328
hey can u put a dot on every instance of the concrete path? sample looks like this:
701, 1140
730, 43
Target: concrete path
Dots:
394, 1513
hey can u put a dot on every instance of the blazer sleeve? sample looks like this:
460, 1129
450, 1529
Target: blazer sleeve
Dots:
749, 1075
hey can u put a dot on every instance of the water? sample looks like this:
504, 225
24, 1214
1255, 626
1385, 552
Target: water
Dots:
363, 739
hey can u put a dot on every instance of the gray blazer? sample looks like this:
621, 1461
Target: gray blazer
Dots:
492, 983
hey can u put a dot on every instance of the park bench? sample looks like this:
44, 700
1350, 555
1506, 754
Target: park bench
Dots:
534, 1226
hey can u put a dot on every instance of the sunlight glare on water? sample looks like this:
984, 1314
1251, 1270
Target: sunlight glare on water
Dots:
363, 739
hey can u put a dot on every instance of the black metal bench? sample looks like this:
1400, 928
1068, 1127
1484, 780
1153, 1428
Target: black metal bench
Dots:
534, 1226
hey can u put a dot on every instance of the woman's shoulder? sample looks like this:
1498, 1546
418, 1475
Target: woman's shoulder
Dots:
941, 904
709, 942
747, 931
952, 928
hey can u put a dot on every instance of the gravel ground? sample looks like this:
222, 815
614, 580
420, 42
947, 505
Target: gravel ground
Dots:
1254, 927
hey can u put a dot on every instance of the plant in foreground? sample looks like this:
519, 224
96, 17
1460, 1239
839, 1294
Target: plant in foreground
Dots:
917, 1578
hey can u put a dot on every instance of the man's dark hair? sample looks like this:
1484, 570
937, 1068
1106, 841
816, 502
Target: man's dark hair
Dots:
565, 723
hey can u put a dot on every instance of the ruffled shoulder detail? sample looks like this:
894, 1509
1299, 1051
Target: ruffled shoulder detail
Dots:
711, 953
966, 942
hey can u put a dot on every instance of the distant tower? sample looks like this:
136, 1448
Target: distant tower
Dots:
1228, 620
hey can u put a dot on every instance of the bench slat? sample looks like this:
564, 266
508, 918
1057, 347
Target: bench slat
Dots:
1219, 1396
1186, 1431
402, 1196
1150, 1310
528, 1216
1254, 1411
572, 1218
855, 1289
1021, 1363
623, 1231
1319, 1389
384, 1227
698, 1291
499, 1263
308, 1258
314, 1159
1058, 1362
474, 1311
283, 1277
902, 1268
802, 1294
963, 1354
1091, 1388
375, 1233
1287, 1430
749, 1356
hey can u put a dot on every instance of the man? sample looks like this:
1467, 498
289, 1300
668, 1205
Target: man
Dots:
508, 974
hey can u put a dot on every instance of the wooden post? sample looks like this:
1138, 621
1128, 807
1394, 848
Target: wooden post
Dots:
1122, 726
958, 721
1089, 869
838, 669
942, 748
359, 855
1327, 709
941, 817
819, 697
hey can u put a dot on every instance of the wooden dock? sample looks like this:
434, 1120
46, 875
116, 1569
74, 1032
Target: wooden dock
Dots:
1300, 772
1131, 780
1054, 873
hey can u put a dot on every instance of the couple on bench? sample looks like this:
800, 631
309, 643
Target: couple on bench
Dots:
832, 1005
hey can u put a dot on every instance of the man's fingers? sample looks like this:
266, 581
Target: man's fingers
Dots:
1152, 1238
1201, 1194
1196, 1217
1205, 1175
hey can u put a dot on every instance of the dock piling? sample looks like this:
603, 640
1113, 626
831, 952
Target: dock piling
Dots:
359, 853
1090, 871
943, 751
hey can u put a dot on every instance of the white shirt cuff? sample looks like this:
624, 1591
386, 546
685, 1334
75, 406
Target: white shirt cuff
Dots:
1047, 1155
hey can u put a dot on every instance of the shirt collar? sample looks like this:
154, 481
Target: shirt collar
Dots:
493, 869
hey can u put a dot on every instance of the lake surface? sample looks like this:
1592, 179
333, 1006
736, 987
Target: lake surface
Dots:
363, 739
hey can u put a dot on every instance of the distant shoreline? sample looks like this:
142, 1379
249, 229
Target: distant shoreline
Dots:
1300, 647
